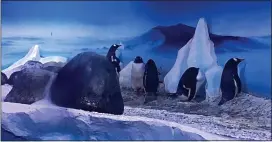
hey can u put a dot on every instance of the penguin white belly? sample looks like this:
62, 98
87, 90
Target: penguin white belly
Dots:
137, 73
236, 88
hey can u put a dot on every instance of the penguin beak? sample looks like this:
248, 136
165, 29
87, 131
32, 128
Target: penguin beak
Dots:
120, 46
242, 60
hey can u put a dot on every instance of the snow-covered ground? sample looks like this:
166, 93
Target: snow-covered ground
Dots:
244, 118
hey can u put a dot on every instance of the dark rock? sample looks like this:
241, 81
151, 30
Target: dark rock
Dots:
53, 66
13, 77
88, 82
28, 85
32, 64
28, 65
4, 79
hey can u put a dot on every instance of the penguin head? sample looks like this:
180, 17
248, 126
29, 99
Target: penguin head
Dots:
193, 70
150, 62
233, 62
115, 46
138, 59
238, 60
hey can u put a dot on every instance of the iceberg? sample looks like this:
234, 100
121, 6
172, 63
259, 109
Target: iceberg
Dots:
172, 78
198, 52
34, 55
40, 122
201, 54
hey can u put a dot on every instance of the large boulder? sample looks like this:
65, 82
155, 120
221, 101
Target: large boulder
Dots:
28, 65
4, 79
88, 82
28, 85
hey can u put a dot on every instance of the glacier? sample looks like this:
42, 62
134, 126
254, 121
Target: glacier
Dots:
198, 52
41, 122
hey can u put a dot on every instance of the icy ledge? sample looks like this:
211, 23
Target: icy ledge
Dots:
38, 122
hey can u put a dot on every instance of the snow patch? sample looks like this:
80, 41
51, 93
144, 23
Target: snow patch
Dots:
5, 89
53, 59
29, 121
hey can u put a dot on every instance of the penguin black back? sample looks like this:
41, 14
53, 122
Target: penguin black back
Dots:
230, 84
187, 83
151, 77
138, 59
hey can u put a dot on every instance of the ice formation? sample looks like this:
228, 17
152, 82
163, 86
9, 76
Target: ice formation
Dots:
172, 78
198, 52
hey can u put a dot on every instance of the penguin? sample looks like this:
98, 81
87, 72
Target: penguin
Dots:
151, 77
137, 74
187, 83
111, 56
230, 81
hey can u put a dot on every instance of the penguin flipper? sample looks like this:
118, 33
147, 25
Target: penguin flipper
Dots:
191, 93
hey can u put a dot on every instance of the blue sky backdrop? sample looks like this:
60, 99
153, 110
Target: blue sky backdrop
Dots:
126, 18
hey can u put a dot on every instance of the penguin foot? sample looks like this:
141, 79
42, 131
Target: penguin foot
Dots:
150, 97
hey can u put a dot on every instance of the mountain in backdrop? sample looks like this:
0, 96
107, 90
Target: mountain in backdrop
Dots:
176, 36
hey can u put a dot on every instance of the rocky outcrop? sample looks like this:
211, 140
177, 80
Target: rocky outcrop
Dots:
28, 85
88, 82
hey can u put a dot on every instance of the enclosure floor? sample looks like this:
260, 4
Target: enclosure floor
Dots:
245, 118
